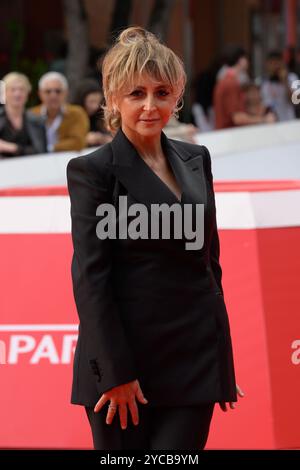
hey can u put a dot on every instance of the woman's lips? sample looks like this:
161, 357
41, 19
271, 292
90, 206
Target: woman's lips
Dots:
149, 120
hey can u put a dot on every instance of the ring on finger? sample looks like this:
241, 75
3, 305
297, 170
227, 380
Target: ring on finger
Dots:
113, 407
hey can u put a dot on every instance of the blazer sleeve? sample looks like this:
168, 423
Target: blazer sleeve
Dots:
215, 243
100, 324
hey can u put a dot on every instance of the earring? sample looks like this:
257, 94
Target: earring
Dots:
175, 113
178, 107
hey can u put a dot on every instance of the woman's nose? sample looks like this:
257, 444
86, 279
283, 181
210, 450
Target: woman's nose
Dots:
149, 103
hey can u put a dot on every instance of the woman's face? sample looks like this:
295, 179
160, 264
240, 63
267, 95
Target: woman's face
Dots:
253, 96
16, 93
92, 102
147, 107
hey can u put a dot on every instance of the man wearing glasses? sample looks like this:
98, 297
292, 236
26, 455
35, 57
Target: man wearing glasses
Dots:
66, 125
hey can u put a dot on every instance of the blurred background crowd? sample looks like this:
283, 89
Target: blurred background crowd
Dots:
241, 57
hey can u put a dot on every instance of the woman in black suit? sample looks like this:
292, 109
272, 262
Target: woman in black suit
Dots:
153, 327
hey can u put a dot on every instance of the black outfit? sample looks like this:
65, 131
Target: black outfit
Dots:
30, 139
159, 428
149, 309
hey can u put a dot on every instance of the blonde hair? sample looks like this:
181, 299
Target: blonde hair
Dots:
11, 77
138, 51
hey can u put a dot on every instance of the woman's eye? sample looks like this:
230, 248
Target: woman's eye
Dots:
136, 93
163, 93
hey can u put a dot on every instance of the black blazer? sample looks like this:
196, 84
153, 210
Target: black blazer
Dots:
149, 309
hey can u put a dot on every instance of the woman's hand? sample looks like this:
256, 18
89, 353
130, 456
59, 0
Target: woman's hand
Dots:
120, 397
270, 118
8, 147
223, 404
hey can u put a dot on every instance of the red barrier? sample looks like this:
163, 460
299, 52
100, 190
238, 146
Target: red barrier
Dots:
38, 322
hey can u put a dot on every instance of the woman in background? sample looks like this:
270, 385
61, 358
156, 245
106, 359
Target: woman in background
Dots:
21, 133
255, 105
90, 97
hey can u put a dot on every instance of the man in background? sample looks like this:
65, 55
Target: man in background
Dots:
66, 125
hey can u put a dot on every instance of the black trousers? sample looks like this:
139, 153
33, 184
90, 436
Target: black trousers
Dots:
159, 428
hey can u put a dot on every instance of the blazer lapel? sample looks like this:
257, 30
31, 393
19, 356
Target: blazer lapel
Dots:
145, 186
188, 169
